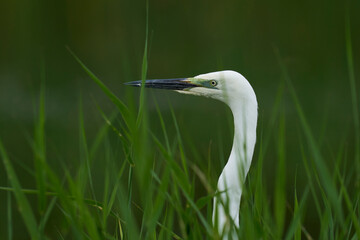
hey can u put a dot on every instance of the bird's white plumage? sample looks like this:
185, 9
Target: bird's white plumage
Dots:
234, 90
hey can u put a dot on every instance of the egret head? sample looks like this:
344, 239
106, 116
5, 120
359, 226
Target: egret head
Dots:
226, 86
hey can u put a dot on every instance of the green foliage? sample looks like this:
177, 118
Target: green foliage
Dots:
22, 202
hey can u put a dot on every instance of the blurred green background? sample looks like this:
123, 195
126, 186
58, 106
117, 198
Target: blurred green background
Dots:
186, 38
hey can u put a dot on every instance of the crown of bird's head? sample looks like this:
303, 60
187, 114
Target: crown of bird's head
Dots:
227, 86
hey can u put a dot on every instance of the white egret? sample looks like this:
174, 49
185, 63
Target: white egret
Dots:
233, 89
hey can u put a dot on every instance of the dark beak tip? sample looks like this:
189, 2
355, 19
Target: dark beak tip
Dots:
134, 83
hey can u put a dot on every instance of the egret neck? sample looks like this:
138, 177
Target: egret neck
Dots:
232, 178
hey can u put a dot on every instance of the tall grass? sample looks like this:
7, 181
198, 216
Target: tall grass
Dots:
149, 183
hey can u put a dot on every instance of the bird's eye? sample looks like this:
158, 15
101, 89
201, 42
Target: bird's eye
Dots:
213, 83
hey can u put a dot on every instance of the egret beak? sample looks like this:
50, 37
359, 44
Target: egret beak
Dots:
170, 84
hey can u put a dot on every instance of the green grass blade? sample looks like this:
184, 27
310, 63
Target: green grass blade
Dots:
162, 123
353, 90
84, 152
113, 194
99, 140
350, 207
23, 204
130, 182
9, 216
181, 146
297, 234
119, 104
310, 180
295, 224
131, 230
46, 216
144, 69
123, 140
40, 148
105, 201
280, 198
205, 224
